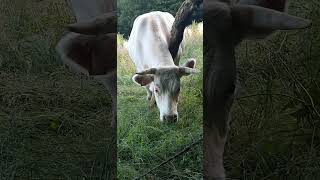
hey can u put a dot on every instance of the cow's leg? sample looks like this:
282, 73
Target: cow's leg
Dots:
215, 137
217, 116
214, 154
216, 128
219, 85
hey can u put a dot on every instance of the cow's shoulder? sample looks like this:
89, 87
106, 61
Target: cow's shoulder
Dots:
154, 16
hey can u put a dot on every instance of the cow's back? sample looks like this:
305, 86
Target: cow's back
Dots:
149, 40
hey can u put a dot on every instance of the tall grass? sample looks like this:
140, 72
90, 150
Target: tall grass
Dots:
143, 141
275, 129
53, 124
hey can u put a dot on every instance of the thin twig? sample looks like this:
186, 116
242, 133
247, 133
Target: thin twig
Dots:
270, 94
186, 149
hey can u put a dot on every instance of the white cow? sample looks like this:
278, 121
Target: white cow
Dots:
148, 48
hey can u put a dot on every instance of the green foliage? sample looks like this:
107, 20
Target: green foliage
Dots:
143, 141
128, 10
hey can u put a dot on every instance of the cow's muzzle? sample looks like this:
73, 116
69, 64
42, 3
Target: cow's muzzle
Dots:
170, 118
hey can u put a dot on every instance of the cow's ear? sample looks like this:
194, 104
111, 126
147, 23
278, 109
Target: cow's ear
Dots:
191, 63
185, 71
103, 24
89, 55
250, 18
143, 80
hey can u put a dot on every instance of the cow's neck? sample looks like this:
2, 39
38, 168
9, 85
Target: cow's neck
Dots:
159, 50
163, 60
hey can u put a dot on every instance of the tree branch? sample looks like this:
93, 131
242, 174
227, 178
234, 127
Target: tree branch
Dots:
182, 20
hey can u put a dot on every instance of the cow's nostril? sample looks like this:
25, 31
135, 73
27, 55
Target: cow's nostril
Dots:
164, 118
175, 118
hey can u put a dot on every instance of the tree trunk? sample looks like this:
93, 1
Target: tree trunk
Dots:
182, 20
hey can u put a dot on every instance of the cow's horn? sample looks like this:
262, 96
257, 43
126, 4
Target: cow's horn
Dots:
250, 16
103, 24
148, 71
184, 71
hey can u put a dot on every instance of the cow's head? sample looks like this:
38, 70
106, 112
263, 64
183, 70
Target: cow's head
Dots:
90, 47
165, 85
89, 55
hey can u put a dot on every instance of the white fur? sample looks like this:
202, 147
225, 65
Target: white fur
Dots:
148, 48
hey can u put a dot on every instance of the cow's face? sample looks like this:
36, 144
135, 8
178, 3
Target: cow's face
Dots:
166, 89
91, 55
165, 85
91, 46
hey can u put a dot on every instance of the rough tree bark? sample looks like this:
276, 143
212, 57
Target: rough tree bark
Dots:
182, 20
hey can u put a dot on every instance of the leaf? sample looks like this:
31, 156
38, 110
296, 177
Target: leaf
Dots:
54, 124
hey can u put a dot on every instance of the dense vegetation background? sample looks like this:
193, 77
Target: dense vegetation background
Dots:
128, 10
275, 131
53, 124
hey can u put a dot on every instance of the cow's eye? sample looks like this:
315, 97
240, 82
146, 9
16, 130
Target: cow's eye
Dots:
156, 90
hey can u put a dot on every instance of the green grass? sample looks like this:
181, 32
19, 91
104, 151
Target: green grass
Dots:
143, 141
53, 124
